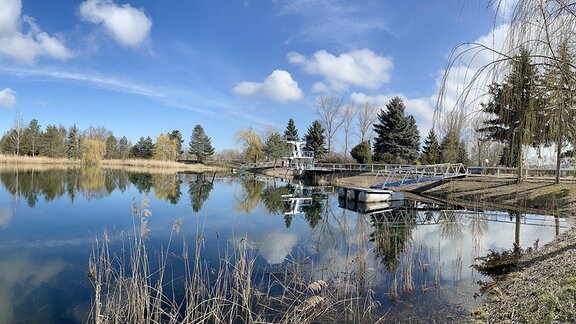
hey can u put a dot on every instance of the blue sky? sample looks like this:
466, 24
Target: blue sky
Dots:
145, 67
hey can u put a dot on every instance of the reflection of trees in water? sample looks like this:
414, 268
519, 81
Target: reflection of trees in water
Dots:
478, 226
199, 191
142, 181
451, 226
31, 184
314, 211
272, 197
390, 238
167, 187
250, 195
91, 183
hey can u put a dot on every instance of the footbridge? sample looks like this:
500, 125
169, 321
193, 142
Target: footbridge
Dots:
407, 175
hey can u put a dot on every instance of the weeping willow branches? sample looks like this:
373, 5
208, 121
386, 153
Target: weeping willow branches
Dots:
545, 30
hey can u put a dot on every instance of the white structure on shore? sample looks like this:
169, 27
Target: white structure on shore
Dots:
299, 159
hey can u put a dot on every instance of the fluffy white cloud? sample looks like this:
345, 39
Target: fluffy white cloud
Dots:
128, 25
26, 46
7, 97
360, 68
278, 86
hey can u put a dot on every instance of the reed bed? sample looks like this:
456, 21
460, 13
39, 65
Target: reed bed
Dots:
157, 164
13, 159
130, 288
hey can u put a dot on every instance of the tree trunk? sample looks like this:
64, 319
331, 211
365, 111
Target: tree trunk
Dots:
558, 159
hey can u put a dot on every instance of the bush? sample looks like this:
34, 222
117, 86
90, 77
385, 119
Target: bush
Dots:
362, 152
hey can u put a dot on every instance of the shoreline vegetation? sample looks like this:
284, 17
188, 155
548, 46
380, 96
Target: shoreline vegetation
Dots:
136, 165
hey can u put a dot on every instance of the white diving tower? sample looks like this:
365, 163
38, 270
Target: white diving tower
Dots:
299, 159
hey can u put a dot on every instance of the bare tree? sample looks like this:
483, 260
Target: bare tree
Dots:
15, 134
328, 109
348, 115
366, 117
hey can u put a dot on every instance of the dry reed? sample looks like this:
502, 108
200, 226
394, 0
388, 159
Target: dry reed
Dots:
129, 289
13, 159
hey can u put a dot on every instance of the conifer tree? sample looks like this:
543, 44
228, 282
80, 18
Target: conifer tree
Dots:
291, 132
315, 140
111, 147
73, 148
176, 136
431, 149
362, 152
397, 136
200, 144
31, 138
275, 146
517, 106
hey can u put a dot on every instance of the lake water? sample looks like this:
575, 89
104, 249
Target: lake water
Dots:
415, 256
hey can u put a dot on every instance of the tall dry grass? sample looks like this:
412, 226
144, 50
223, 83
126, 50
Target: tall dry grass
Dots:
13, 159
129, 289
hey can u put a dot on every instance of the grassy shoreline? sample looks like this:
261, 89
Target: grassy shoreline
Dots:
132, 164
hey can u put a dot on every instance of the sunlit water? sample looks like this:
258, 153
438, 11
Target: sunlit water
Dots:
415, 256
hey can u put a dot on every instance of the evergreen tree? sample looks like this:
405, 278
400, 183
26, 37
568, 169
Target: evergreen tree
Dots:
73, 147
143, 149
517, 106
275, 147
176, 136
31, 138
200, 144
431, 149
54, 142
397, 136
315, 140
123, 148
291, 132
111, 147
362, 152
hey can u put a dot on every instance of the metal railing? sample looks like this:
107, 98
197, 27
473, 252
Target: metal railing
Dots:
406, 175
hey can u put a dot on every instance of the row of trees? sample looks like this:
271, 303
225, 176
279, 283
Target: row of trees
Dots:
396, 138
97, 143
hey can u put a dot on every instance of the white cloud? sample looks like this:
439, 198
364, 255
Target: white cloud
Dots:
30, 45
278, 86
360, 68
7, 97
128, 25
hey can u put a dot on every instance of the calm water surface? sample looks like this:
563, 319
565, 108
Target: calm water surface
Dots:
416, 256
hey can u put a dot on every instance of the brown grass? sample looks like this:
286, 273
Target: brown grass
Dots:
127, 289
135, 165
13, 159
157, 164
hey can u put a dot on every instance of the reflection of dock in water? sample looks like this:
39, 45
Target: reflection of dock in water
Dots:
300, 197
412, 212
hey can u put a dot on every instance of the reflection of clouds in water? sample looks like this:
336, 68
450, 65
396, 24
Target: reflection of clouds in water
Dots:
274, 247
19, 273
498, 236
5, 216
